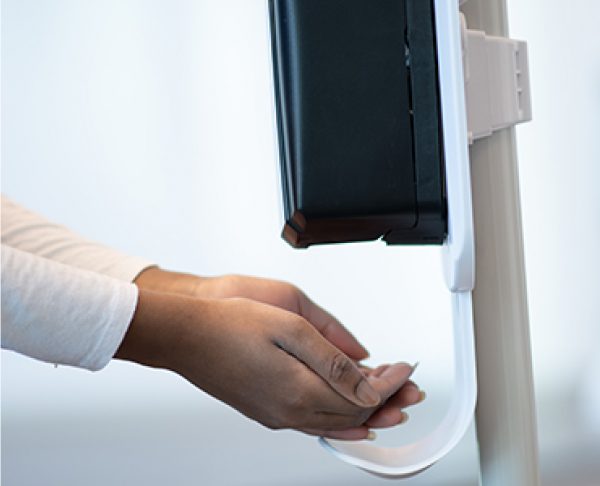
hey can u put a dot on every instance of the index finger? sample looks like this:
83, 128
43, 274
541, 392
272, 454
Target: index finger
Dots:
311, 348
331, 329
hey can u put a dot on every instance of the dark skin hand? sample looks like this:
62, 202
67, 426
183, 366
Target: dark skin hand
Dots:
267, 350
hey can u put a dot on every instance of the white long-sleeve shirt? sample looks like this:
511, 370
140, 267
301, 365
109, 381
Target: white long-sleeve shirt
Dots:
65, 299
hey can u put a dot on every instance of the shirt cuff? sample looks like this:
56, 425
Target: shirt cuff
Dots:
61, 314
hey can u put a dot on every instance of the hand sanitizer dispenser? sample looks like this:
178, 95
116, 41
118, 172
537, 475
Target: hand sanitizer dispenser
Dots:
373, 133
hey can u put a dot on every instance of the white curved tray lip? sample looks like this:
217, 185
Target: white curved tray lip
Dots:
459, 271
412, 458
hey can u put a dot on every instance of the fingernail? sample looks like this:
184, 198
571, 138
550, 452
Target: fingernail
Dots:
422, 396
367, 395
414, 367
372, 435
404, 418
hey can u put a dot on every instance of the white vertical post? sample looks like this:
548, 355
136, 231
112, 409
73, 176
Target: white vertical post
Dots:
505, 416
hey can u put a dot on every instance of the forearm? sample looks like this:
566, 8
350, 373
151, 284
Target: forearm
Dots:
29, 232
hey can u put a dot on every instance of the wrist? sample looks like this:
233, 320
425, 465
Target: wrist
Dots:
156, 334
158, 280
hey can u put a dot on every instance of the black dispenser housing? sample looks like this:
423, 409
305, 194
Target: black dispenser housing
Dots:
358, 120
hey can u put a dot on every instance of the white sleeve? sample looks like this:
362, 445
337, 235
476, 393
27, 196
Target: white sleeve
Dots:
61, 314
27, 231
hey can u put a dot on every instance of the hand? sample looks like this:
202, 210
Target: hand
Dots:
273, 292
289, 297
268, 363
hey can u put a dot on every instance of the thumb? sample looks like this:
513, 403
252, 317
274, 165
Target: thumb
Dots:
343, 375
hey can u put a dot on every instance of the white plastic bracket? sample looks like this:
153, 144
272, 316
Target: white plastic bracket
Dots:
496, 82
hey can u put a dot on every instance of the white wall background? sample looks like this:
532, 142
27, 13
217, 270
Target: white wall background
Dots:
147, 125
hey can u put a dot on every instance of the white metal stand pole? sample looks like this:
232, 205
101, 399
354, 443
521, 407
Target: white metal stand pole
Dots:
506, 420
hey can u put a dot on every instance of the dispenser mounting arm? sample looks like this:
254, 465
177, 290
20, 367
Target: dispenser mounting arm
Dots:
497, 88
